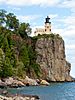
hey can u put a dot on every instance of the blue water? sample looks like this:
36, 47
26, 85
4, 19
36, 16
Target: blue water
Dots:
56, 91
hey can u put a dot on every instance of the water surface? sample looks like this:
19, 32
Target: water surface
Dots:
56, 91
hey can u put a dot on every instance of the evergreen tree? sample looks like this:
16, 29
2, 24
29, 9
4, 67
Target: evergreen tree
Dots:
12, 22
20, 69
17, 57
24, 56
24, 30
2, 58
7, 68
2, 17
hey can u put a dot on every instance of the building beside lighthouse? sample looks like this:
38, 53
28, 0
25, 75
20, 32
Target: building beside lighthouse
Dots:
46, 29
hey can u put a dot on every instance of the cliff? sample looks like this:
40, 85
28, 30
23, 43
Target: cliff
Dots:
51, 58
42, 56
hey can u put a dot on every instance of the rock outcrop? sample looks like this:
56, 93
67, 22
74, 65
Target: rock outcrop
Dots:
17, 82
29, 81
19, 97
44, 82
51, 58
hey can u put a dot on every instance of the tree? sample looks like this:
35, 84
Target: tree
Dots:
24, 56
2, 58
5, 65
7, 69
2, 17
20, 69
32, 58
12, 22
24, 29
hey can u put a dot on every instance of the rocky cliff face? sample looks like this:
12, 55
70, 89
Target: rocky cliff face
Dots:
51, 58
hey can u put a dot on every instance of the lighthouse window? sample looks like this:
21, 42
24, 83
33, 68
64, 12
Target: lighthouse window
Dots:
47, 26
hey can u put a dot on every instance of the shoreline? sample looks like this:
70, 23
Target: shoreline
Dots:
5, 95
19, 97
15, 82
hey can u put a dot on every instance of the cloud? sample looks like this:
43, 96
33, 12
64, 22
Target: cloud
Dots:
70, 46
1, 1
68, 20
44, 3
73, 10
68, 4
65, 33
31, 2
53, 15
28, 18
65, 26
13, 8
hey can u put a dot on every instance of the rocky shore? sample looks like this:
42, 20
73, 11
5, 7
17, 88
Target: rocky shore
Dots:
17, 82
19, 97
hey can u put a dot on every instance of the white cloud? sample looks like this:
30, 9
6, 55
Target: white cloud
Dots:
13, 9
68, 20
73, 10
57, 30
65, 33
69, 33
31, 2
1, 1
69, 25
68, 4
65, 26
44, 3
53, 16
70, 46
28, 18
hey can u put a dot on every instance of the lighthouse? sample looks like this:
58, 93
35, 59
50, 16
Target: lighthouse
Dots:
47, 25
46, 29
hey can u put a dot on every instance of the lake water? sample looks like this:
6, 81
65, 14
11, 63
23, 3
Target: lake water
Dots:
56, 91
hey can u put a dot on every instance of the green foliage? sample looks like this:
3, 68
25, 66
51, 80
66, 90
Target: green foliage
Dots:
19, 70
51, 36
17, 55
2, 17
32, 57
32, 54
24, 30
36, 68
24, 56
2, 58
7, 68
12, 22
5, 65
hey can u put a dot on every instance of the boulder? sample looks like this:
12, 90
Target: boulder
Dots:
44, 82
9, 81
2, 84
18, 83
30, 81
19, 97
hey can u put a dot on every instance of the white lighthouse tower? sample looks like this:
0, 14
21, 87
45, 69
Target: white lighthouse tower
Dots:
46, 29
47, 26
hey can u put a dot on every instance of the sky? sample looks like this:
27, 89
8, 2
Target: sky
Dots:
61, 12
